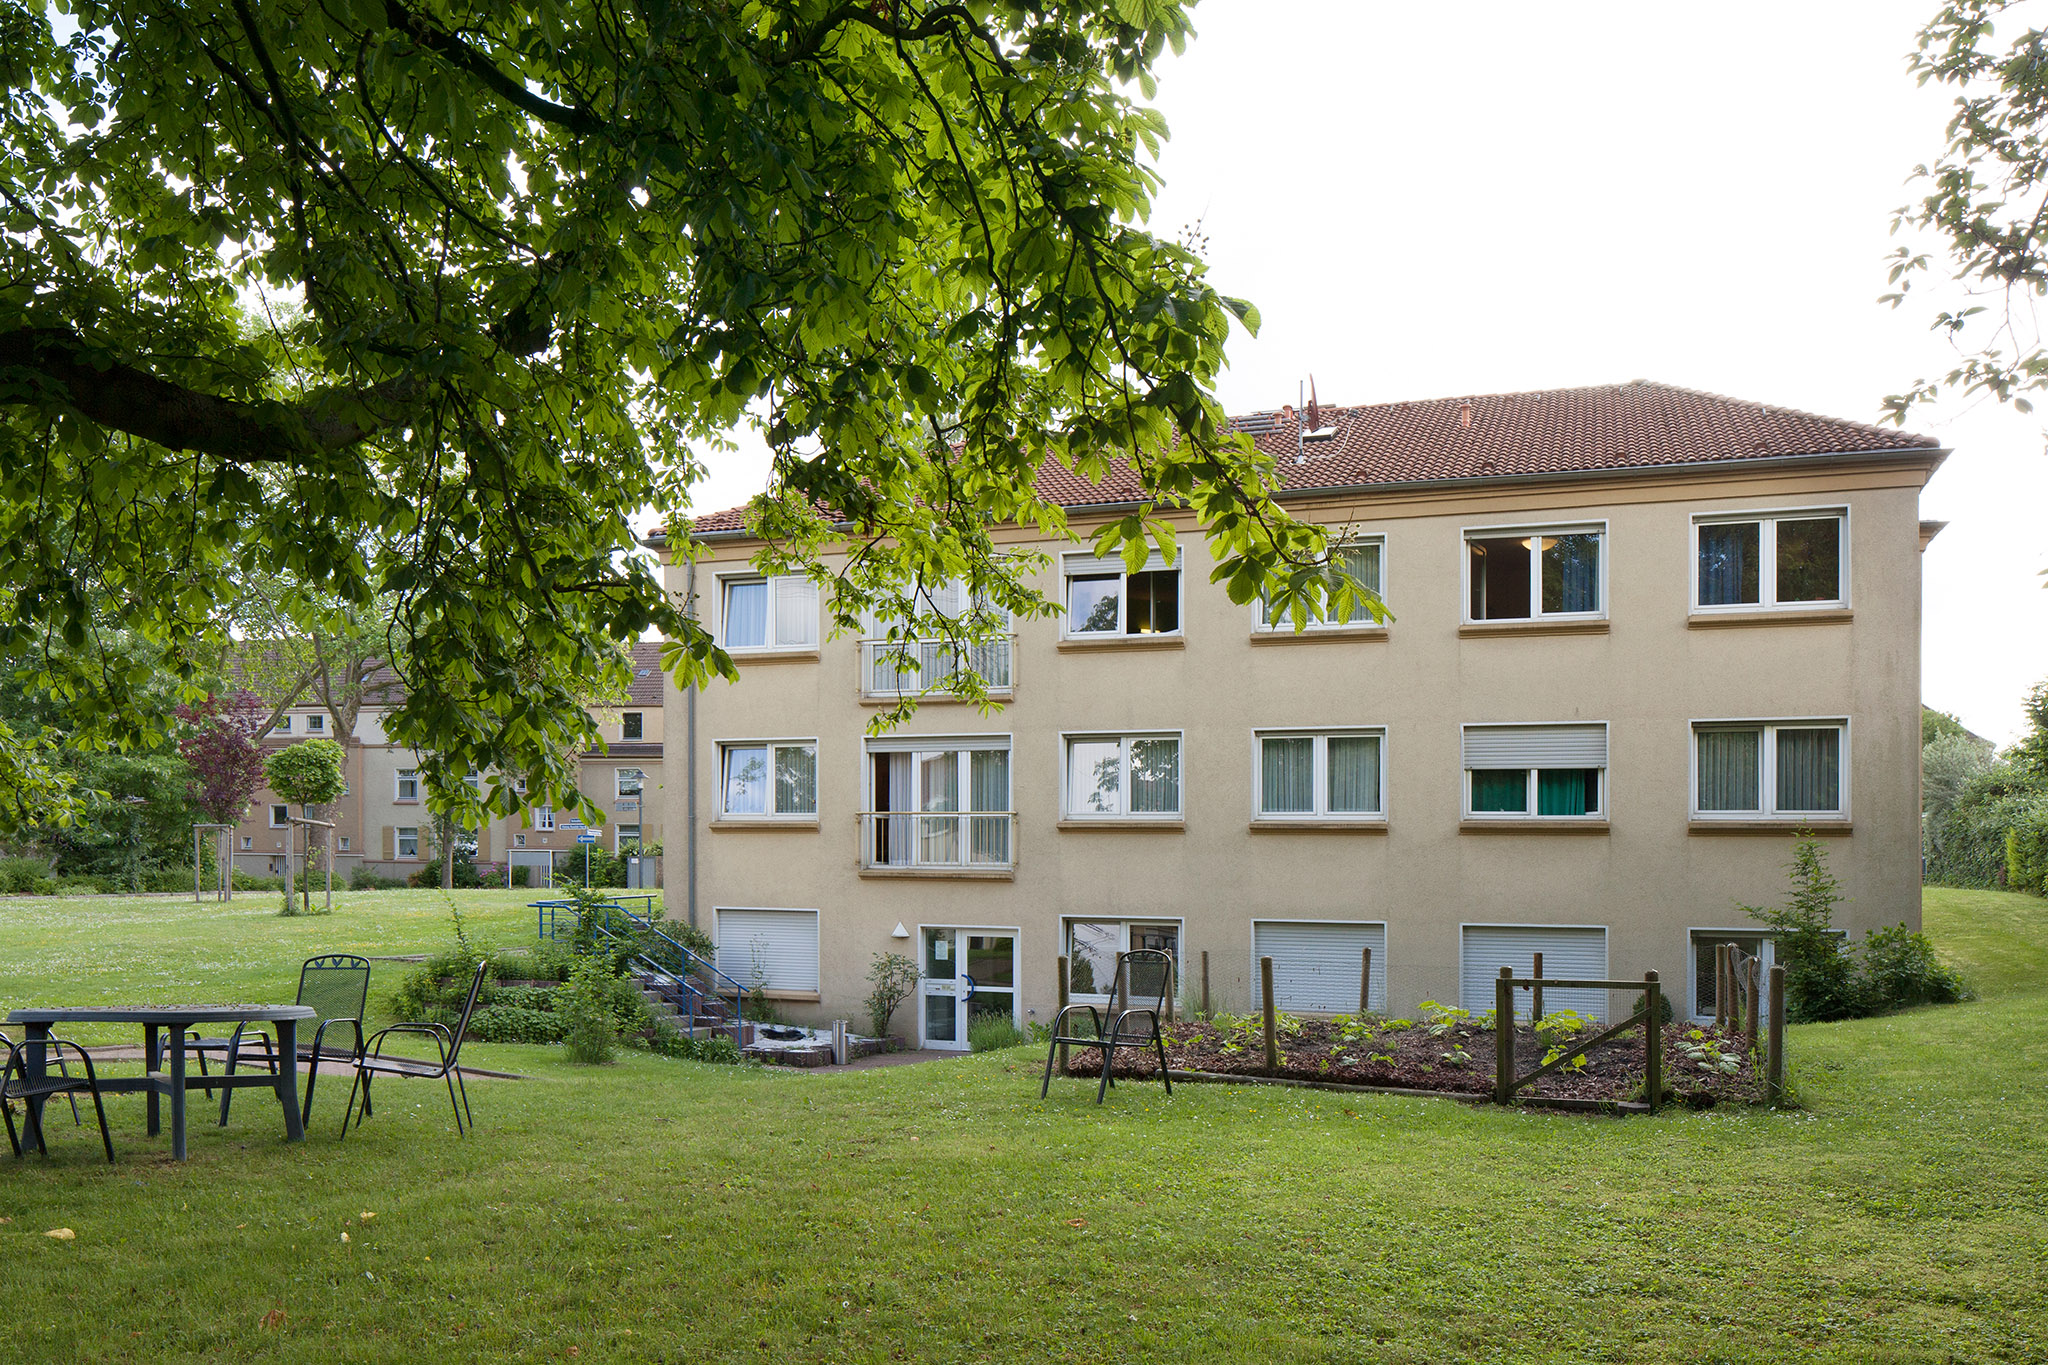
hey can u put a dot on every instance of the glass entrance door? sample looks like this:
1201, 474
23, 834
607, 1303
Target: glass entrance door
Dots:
969, 974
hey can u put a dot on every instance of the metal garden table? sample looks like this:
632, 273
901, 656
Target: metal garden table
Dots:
179, 1019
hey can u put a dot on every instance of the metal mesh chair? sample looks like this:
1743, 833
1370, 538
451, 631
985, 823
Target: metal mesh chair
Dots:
16, 1083
1138, 998
372, 1062
63, 1069
335, 986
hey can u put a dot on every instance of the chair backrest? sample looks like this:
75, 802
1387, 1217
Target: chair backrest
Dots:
476, 987
1144, 980
336, 986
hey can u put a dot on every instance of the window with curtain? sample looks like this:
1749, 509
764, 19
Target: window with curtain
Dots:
1333, 775
1362, 561
769, 779
1123, 775
1104, 599
769, 613
1779, 559
630, 780
408, 785
1537, 572
1769, 768
921, 655
1092, 947
1536, 771
946, 805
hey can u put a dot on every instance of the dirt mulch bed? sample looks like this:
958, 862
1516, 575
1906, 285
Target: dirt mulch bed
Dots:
1382, 1053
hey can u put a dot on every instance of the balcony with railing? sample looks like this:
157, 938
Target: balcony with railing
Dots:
938, 843
918, 667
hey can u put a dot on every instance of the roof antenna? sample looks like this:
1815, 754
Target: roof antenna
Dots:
1300, 449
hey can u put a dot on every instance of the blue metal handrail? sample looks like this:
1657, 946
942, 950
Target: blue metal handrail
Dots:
557, 919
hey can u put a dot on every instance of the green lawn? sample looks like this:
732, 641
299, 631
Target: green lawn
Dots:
662, 1210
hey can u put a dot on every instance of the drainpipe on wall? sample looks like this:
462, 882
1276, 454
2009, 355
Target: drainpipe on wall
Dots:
690, 728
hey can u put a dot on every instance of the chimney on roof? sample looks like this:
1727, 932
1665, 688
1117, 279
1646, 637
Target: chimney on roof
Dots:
1465, 413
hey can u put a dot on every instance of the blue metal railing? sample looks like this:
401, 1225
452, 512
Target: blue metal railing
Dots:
558, 921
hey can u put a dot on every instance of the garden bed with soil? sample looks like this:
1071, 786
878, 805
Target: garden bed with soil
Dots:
1703, 1066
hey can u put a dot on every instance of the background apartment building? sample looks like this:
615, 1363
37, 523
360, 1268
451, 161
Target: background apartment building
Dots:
382, 822
1639, 636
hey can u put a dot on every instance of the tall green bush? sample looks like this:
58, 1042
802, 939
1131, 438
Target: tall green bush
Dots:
1967, 846
1820, 978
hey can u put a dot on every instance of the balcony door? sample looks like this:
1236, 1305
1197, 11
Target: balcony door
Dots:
939, 807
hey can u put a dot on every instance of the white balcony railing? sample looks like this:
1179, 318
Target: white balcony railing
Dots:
883, 671
959, 840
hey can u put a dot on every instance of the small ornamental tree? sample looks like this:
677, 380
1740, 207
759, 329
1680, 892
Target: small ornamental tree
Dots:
1820, 977
305, 774
895, 977
219, 746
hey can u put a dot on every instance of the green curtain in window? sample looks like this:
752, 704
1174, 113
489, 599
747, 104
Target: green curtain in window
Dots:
1730, 765
1354, 774
796, 781
1809, 770
1562, 791
1500, 789
1287, 776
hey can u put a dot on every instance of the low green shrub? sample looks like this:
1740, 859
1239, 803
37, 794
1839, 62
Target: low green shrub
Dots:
26, 876
1900, 970
369, 879
512, 1024
1665, 1013
250, 881
670, 1041
517, 997
466, 875
992, 1032
585, 1007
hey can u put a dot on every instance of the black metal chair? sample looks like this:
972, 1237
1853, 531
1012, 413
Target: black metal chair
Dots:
62, 1070
373, 1063
336, 986
1138, 997
17, 1084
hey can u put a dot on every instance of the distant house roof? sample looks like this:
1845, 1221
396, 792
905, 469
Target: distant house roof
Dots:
1637, 426
646, 689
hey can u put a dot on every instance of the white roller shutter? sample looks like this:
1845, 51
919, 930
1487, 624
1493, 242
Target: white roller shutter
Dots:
775, 949
1566, 953
1315, 964
1536, 746
1089, 564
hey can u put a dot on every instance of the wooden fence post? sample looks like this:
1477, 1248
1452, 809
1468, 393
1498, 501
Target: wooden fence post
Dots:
1365, 981
1536, 993
1722, 983
1205, 983
1753, 974
1272, 1024
1504, 1038
1774, 1048
1653, 1041
1058, 1024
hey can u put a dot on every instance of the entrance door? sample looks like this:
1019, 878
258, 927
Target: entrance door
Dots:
969, 974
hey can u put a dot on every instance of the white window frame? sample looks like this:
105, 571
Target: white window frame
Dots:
316, 725
1124, 924
817, 943
726, 746
1262, 624
619, 782
248, 842
1533, 531
725, 582
639, 719
544, 817
1767, 770
399, 778
1767, 557
1321, 764
1074, 566
1699, 936
619, 839
280, 815
1124, 738
398, 838
344, 843
1530, 774
519, 841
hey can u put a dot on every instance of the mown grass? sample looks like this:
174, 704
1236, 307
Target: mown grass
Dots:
664, 1210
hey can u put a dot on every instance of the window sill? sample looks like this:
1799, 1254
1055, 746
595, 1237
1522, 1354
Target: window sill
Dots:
1318, 635
1537, 825
1114, 643
733, 826
774, 656
405, 800
1319, 827
953, 874
1537, 626
935, 698
1824, 829
1174, 824
1721, 620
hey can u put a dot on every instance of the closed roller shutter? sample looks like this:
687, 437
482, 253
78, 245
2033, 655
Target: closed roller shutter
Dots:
1566, 952
1315, 964
774, 949
1077, 564
1536, 746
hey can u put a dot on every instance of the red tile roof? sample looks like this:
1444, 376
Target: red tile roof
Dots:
647, 682
1639, 425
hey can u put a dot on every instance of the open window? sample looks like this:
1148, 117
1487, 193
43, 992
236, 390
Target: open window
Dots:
1535, 573
1105, 600
938, 803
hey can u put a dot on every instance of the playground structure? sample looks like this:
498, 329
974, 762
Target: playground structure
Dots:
223, 863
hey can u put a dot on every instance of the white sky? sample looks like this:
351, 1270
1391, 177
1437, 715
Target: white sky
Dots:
1437, 200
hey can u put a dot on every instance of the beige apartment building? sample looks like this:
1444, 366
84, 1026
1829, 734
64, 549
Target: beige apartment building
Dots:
1639, 635
382, 822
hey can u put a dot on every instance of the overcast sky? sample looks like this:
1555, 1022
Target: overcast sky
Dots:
1426, 201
